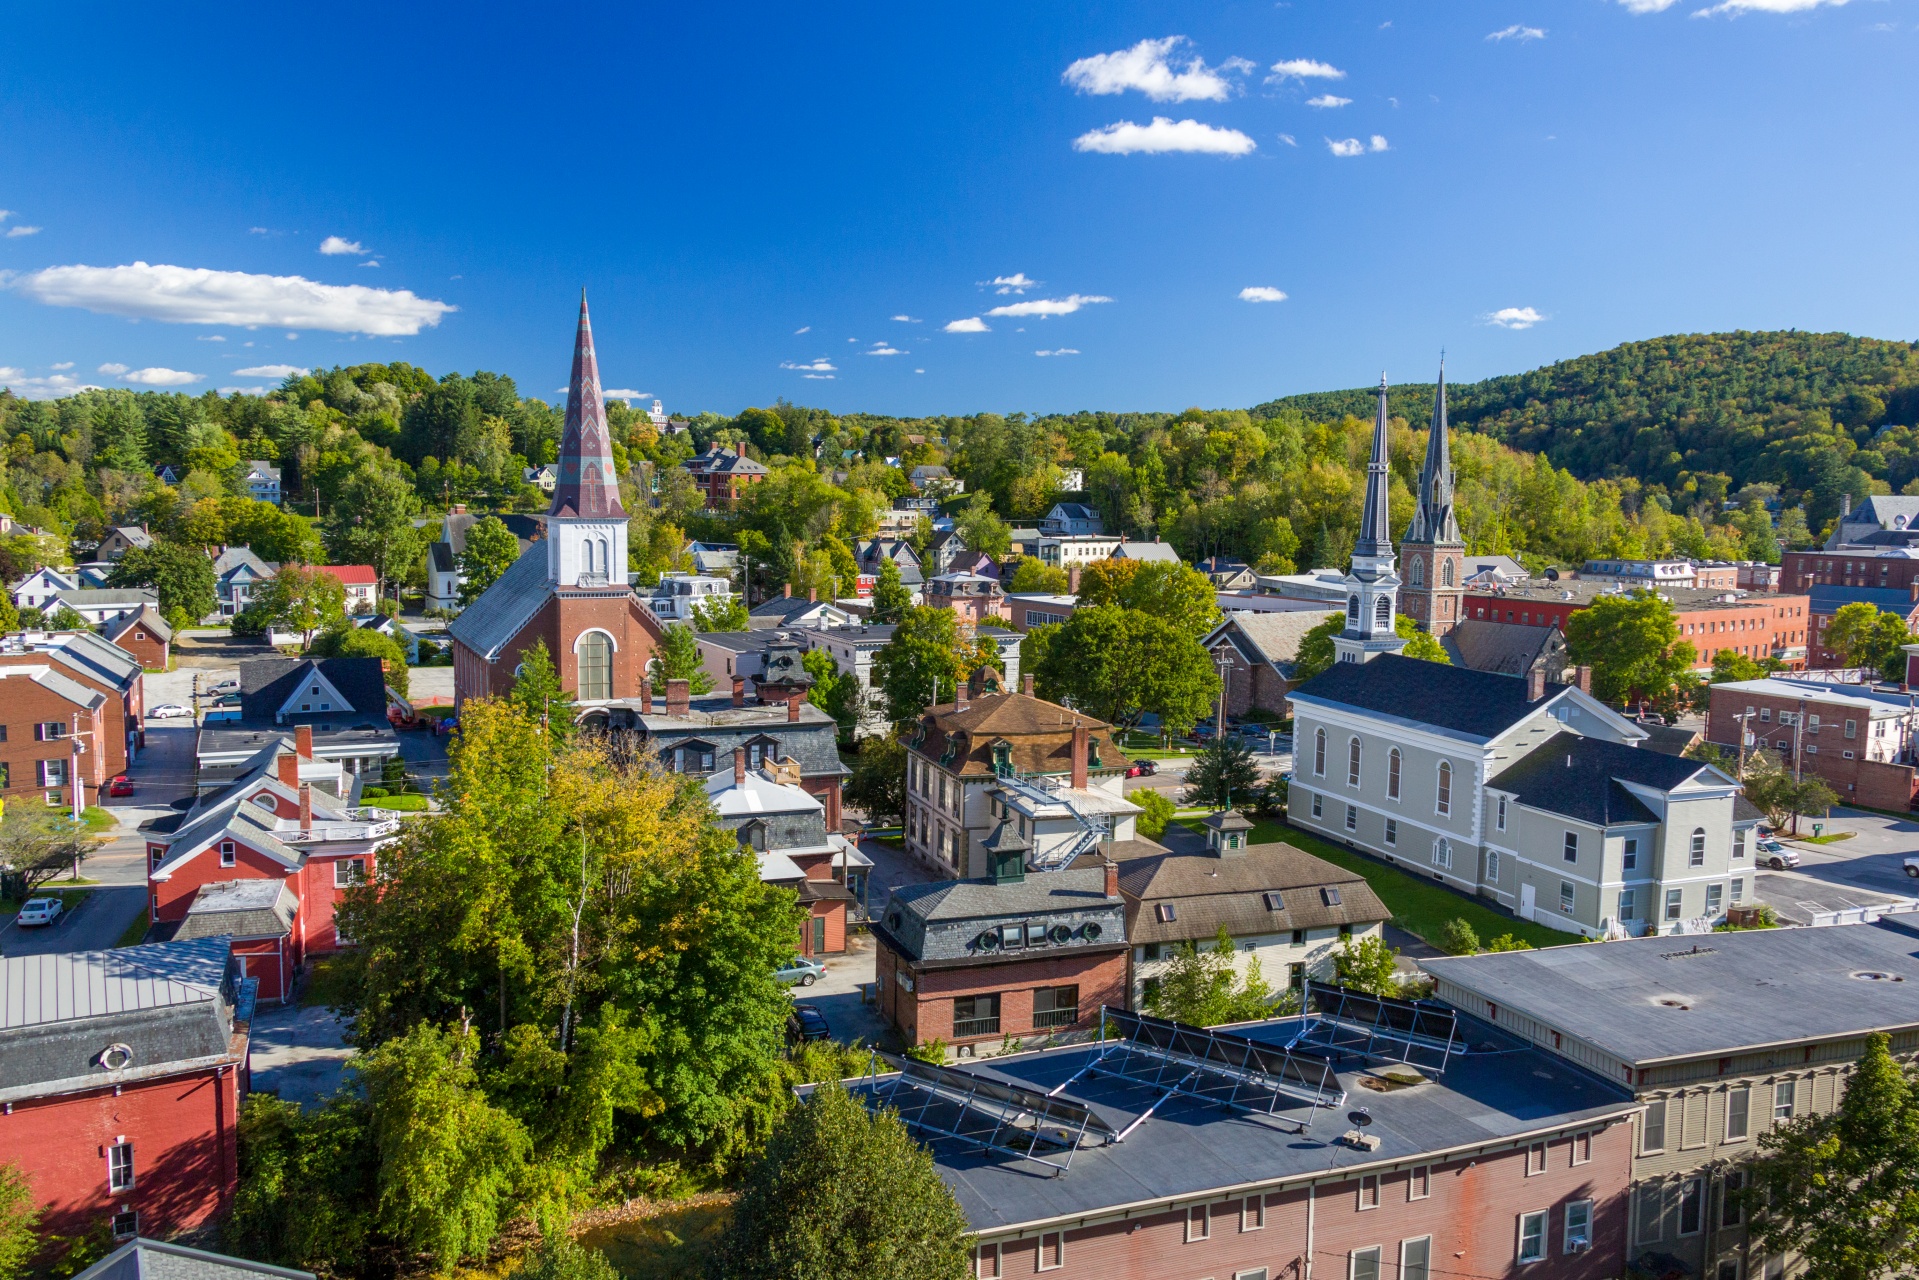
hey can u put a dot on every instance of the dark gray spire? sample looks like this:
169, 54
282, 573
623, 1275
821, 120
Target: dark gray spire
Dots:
1375, 527
1433, 519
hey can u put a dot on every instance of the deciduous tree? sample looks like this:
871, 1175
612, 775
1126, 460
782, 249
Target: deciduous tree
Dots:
878, 784
301, 599
18, 1217
1367, 964
491, 549
1315, 652
891, 597
924, 662
41, 844
678, 658
1632, 644
1204, 988
1031, 576
1119, 664
720, 613
1165, 589
540, 696
181, 575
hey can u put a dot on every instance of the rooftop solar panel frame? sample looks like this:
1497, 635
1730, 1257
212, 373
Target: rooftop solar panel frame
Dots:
1345, 1020
1175, 1059
990, 1114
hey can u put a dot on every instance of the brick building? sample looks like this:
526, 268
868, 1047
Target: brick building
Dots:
1039, 609
1825, 601
146, 636
91, 660
121, 1074
723, 474
1891, 568
56, 737
973, 597
1259, 650
1859, 740
1757, 626
785, 827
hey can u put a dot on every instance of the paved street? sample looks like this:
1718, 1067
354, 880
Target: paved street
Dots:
837, 995
1870, 860
94, 925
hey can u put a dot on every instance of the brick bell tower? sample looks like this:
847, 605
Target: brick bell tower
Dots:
1432, 551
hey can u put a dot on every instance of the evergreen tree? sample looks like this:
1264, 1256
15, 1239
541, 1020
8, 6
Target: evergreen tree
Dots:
678, 658
538, 694
119, 433
1224, 774
891, 599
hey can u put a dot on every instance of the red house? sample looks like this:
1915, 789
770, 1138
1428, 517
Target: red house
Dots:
361, 583
265, 862
121, 1074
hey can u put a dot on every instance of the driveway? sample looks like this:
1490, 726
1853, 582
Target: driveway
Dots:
1871, 859
837, 995
298, 1052
94, 925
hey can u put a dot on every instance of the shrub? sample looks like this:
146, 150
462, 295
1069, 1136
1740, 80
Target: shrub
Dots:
1458, 938
560, 1257
1506, 942
1156, 810
372, 793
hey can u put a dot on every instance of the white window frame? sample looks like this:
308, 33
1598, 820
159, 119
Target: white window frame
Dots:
1252, 1213
1520, 1256
1319, 753
1791, 1088
1569, 847
1392, 832
1377, 1259
1675, 905
1352, 817
1568, 898
1499, 823
1492, 865
1443, 789
1059, 1251
1419, 1182
1696, 850
1319, 810
1355, 757
1368, 1183
1744, 1094
1199, 1223
1443, 853
356, 867
1628, 904
1656, 1106
229, 853
1629, 854
1425, 1271
121, 1174
980, 1258
1536, 1159
1581, 1142
1393, 762
1697, 1185
1584, 1210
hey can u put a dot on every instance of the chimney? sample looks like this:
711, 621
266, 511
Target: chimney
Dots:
786, 589
1079, 755
1583, 677
1072, 581
646, 695
1535, 684
793, 707
1026, 684
1112, 878
306, 806
959, 696
1845, 506
303, 741
289, 767
739, 691
459, 509
677, 693
739, 766
740, 448
812, 595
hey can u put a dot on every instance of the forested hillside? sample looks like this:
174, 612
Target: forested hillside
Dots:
1822, 412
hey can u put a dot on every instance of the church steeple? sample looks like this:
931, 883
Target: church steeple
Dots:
1433, 518
1371, 584
1435, 553
1375, 523
586, 525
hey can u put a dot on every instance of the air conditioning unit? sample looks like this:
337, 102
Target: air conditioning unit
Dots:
1578, 1244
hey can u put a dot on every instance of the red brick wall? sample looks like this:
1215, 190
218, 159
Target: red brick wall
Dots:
145, 646
1820, 656
1858, 781
27, 705
1016, 611
560, 622
1471, 1215
1802, 569
834, 914
184, 1158
1758, 628
1251, 685
926, 1012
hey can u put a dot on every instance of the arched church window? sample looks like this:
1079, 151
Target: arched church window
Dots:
606, 559
1446, 573
1383, 615
1352, 609
1416, 573
586, 549
596, 666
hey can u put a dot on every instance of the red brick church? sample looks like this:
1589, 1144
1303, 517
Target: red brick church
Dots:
569, 588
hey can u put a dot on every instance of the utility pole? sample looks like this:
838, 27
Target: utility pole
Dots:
79, 788
1224, 665
1740, 719
1799, 741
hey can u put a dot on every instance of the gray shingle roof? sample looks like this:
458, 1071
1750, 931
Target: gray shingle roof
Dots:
143, 1259
486, 625
267, 683
1504, 648
1477, 704
240, 909
147, 619
1580, 778
1207, 892
108, 597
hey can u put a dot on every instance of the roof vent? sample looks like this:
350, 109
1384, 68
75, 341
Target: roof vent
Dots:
1671, 1002
1873, 975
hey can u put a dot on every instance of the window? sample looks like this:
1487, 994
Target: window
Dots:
1566, 897
1696, 855
126, 1224
1275, 901
1570, 849
1352, 818
1055, 1007
1415, 1258
1535, 1159
1652, 1133
976, 1015
1739, 891
1582, 1148
229, 854
1392, 774
1392, 831
1369, 1191
1692, 1203
1199, 1223
1500, 821
1784, 1094
1739, 844
1329, 895
1715, 895
1579, 1226
1252, 1213
120, 1167
348, 872
1383, 614
1628, 904
1052, 1250
1419, 1183
1364, 1264
1730, 1211
1352, 763
1765, 715
1738, 1114
986, 1262
1673, 904
1852, 728
1443, 803
50, 731
1649, 1213
53, 773
1257, 1273
1629, 857
1532, 1236
1165, 912
595, 654
1443, 853
1319, 753
1318, 807
1492, 865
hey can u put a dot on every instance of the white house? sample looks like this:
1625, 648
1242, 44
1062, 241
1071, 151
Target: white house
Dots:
38, 589
263, 481
676, 595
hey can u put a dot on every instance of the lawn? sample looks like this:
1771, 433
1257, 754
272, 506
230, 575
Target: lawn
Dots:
134, 933
1420, 906
397, 804
98, 819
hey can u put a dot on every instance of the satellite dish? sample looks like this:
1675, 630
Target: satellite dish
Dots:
1361, 1117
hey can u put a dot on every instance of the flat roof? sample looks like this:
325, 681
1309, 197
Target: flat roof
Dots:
1496, 1092
1863, 697
1646, 1000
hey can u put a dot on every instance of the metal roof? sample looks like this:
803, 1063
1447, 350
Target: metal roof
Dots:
37, 990
143, 1259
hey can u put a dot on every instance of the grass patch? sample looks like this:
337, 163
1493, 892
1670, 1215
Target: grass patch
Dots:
134, 933
1420, 906
397, 804
326, 984
1825, 839
98, 819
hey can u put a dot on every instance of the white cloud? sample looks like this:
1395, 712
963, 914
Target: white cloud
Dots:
1145, 67
272, 371
211, 337
1048, 306
111, 368
1015, 283
1379, 143
333, 246
818, 365
907, 319
1736, 7
60, 384
161, 377
819, 377
14, 233
1062, 351
197, 295
4, 215
805, 328
64, 364
1306, 69
1325, 100
371, 262
621, 393
972, 324
1514, 318
1162, 135
245, 391
883, 350
1519, 33
1288, 139
1346, 146
1262, 293
919, 371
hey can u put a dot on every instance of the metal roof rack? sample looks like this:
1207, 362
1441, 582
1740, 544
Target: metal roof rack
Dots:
991, 1114
1417, 1032
1207, 1065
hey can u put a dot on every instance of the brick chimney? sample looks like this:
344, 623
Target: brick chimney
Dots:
793, 707
1583, 677
786, 589
1535, 684
1080, 738
459, 509
739, 691
677, 694
306, 806
289, 767
646, 695
813, 595
1072, 581
303, 741
1026, 684
739, 766
740, 448
1112, 878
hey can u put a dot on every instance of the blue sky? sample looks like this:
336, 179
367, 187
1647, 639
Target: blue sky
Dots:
755, 194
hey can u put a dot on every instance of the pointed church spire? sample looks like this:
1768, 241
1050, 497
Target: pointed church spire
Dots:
1375, 530
588, 485
1434, 521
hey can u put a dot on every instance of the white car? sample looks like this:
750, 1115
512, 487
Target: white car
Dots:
169, 711
39, 911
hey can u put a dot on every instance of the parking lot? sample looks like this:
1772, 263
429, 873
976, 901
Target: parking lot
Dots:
1873, 858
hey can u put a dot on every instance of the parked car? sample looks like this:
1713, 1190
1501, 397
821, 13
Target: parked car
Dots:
808, 1024
1775, 855
227, 686
800, 970
1142, 769
169, 711
1912, 867
120, 786
38, 911
1204, 731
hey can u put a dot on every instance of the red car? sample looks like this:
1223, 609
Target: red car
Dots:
120, 786
1142, 769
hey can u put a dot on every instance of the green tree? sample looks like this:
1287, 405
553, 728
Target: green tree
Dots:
9, 614
372, 522
878, 784
1118, 664
18, 1218
301, 599
891, 597
119, 432
721, 613
1165, 589
40, 844
1459, 938
1205, 988
1838, 1189
1034, 577
981, 530
1419, 644
1861, 635
363, 642
490, 551
68, 618
835, 694
1730, 665
540, 696
1315, 652
181, 575
1224, 774
1156, 811
560, 1257
1632, 644
309, 1181
924, 662
1367, 964
678, 658
844, 1194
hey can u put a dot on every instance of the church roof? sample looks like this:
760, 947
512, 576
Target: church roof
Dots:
1375, 530
1433, 519
588, 484
508, 605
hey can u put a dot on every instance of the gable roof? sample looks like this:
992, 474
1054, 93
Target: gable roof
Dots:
1161, 551
90, 654
68, 986
1208, 892
504, 609
240, 909
148, 616
269, 685
133, 535
143, 1259
1504, 648
234, 559
350, 575
1580, 778
1072, 511
107, 597
1272, 638
1477, 704
64, 686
